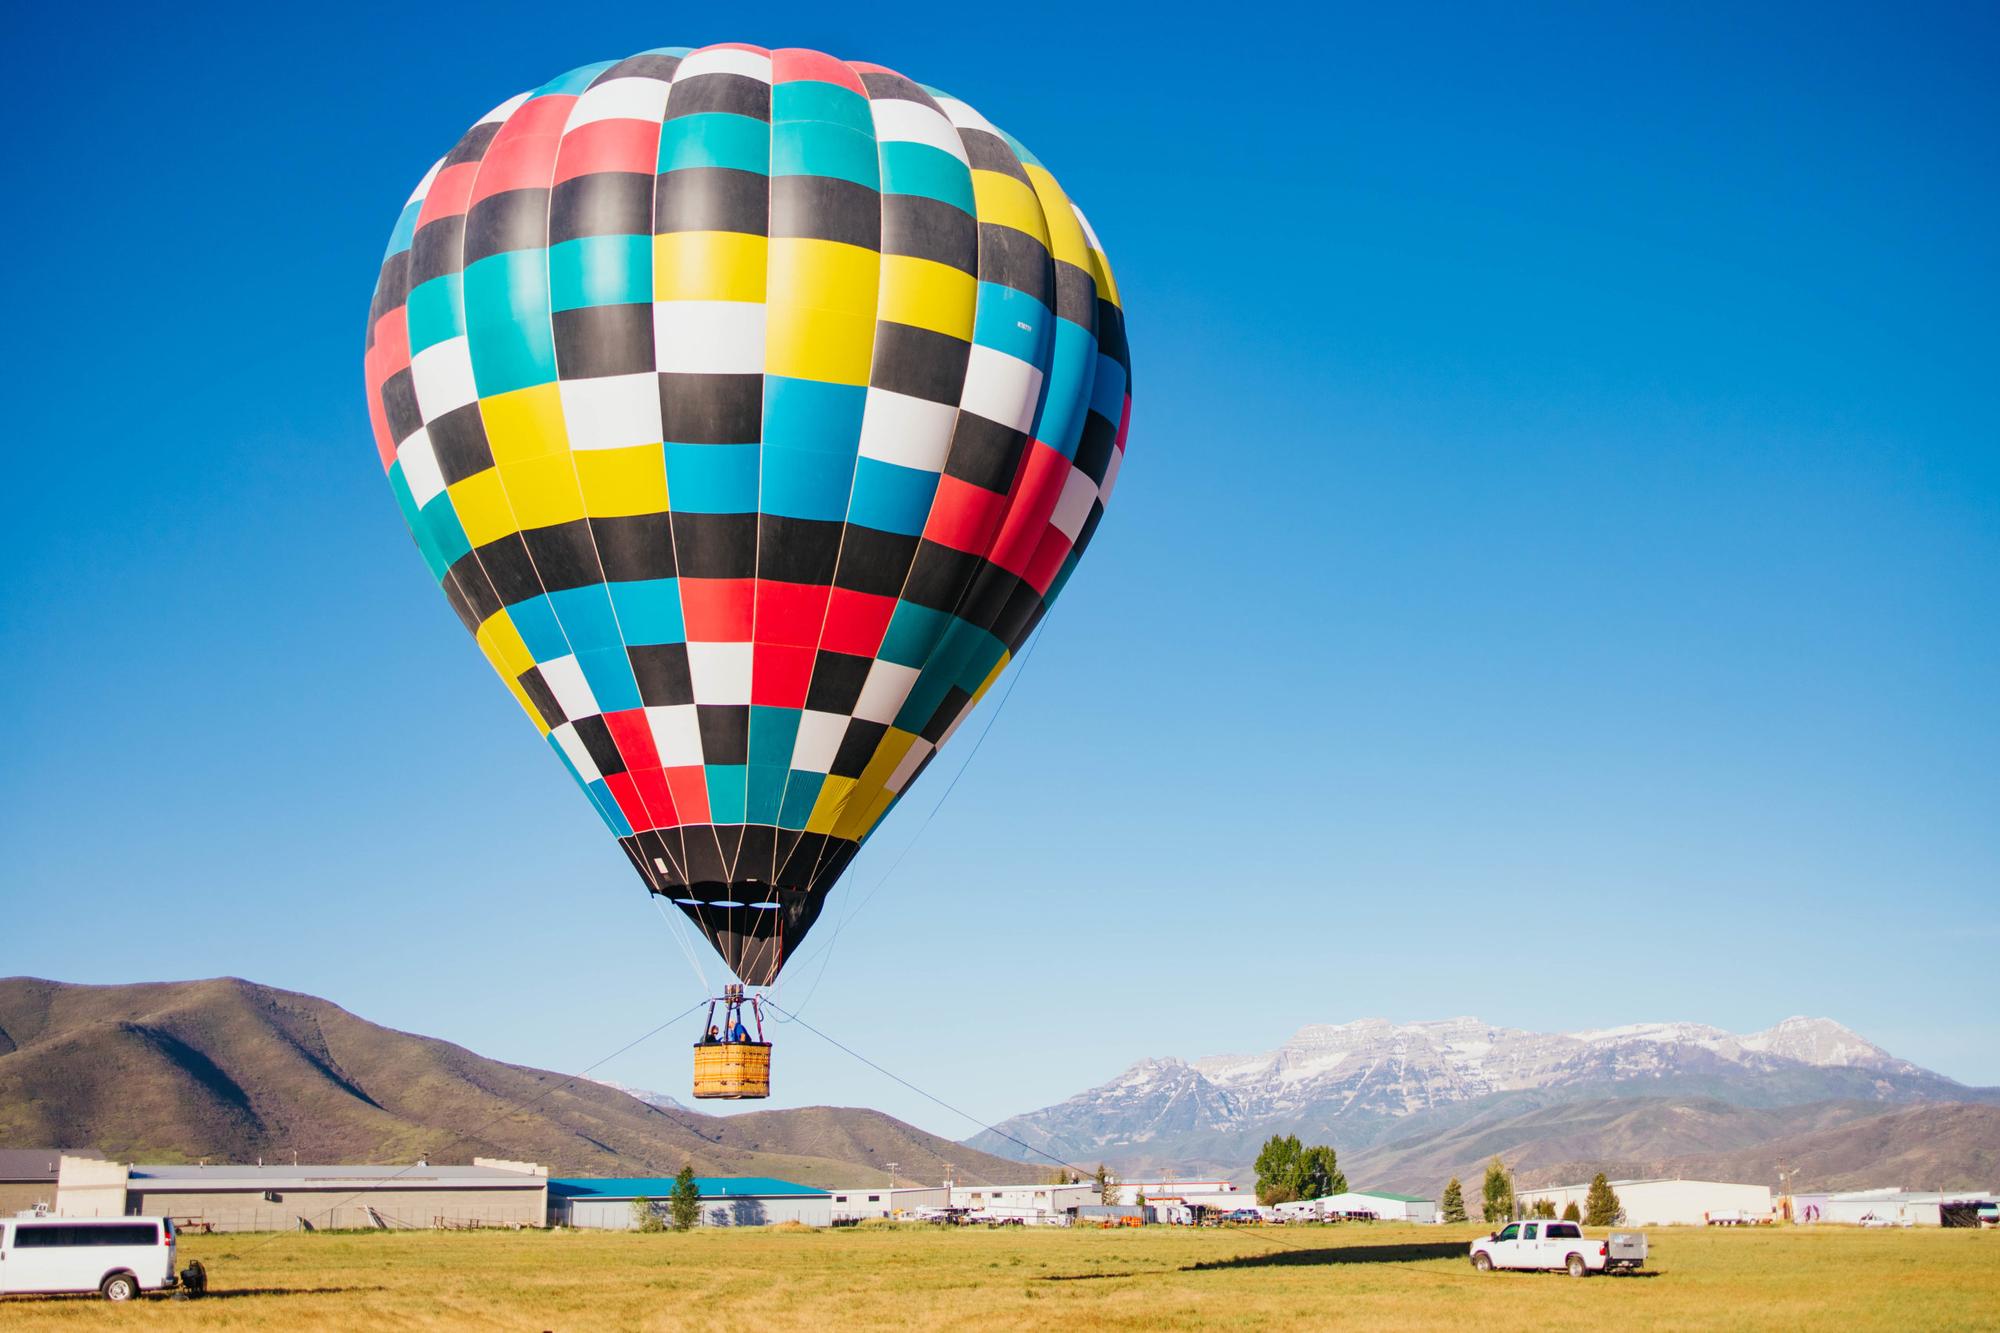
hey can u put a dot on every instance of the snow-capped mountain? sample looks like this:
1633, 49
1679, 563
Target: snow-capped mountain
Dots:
1397, 1069
646, 1095
1366, 1075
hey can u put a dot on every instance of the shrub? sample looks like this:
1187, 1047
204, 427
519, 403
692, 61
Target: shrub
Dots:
1497, 1192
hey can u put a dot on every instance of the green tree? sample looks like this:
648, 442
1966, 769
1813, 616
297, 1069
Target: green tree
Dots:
1278, 1169
1060, 1176
1544, 1208
1601, 1207
1570, 1213
1107, 1188
1454, 1201
645, 1217
1498, 1192
685, 1205
1319, 1173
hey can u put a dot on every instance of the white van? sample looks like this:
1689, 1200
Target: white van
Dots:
116, 1256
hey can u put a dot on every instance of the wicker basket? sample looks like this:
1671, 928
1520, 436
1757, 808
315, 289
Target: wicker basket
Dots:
732, 1070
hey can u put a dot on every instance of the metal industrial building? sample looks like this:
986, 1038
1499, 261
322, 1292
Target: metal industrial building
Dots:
605, 1204
1030, 1203
851, 1205
1382, 1205
1917, 1208
28, 1177
488, 1193
1666, 1203
1218, 1195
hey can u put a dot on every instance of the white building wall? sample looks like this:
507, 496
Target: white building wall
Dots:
881, 1201
1213, 1193
1664, 1203
1898, 1206
90, 1187
753, 1211
759, 1212
1043, 1199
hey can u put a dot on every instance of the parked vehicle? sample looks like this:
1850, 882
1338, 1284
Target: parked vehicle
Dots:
1878, 1220
1243, 1215
1557, 1246
1738, 1217
117, 1257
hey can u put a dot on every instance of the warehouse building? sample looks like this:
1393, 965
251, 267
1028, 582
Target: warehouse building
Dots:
851, 1205
489, 1193
1665, 1203
1218, 1195
1916, 1208
606, 1203
1380, 1205
1030, 1203
28, 1177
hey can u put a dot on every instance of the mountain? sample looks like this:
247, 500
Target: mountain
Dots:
1830, 1145
659, 1100
1921, 1147
1421, 1092
175, 1071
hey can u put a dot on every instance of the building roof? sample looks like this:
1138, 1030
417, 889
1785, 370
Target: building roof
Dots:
1385, 1194
1651, 1180
1913, 1196
659, 1187
38, 1163
287, 1176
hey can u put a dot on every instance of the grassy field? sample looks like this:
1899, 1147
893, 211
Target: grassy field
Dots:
1329, 1277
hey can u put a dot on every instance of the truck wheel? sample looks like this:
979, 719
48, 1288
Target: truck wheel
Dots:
1483, 1262
1576, 1266
120, 1287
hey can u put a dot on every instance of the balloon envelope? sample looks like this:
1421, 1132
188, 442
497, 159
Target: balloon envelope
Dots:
751, 408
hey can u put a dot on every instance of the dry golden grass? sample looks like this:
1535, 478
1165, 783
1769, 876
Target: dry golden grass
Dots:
919, 1277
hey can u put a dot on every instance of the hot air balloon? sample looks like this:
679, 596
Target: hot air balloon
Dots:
751, 407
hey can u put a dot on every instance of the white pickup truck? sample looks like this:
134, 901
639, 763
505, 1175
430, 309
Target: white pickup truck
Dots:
1557, 1246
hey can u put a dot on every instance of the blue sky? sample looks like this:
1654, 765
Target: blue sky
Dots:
1554, 578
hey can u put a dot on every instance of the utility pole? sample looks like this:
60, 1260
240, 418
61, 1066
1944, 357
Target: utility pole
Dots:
892, 1177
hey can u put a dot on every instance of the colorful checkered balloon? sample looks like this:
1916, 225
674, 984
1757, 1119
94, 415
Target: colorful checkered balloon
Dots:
751, 408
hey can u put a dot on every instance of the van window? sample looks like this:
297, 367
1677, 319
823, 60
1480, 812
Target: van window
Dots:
1510, 1231
1563, 1231
63, 1234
